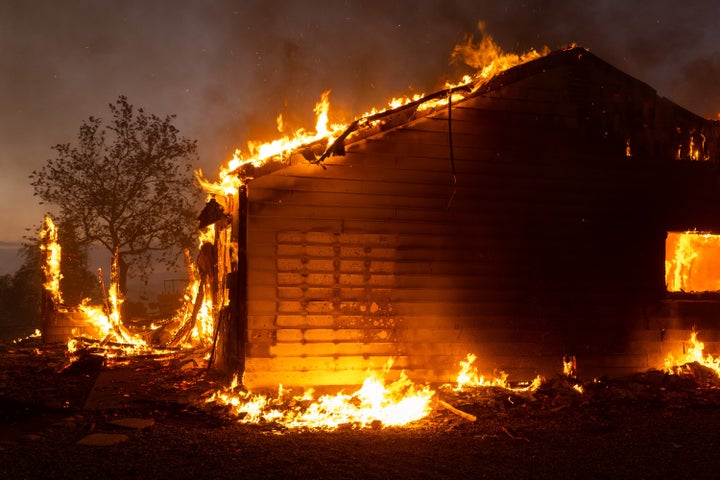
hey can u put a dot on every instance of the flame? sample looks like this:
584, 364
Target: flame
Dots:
692, 261
280, 149
35, 334
198, 309
487, 56
390, 404
693, 354
376, 402
469, 377
104, 324
100, 324
569, 366
51, 266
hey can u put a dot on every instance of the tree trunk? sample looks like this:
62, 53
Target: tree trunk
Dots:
122, 275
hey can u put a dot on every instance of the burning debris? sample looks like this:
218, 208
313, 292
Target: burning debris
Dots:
376, 403
693, 362
97, 333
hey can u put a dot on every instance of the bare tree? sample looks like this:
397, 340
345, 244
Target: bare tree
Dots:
127, 185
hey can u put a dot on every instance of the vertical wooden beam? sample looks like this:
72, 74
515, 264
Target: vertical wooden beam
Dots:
240, 308
48, 309
233, 319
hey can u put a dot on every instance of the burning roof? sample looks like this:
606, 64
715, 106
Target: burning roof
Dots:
329, 140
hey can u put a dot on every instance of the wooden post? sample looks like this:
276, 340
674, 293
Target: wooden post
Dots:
239, 309
48, 308
233, 324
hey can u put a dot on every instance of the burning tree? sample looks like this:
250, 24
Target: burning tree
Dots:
127, 185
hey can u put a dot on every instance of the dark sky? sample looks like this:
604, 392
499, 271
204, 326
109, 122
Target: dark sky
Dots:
228, 68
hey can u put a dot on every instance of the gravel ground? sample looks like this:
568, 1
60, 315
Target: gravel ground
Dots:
648, 426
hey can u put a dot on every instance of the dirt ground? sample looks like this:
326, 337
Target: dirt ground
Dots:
151, 414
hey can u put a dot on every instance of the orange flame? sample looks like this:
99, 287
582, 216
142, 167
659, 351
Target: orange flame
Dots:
397, 403
693, 354
469, 377
279, 149
102, 323
401, 401
51, 266
487, 56
692, 261
375, 403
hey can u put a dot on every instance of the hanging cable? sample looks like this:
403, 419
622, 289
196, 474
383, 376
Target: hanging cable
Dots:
450, 144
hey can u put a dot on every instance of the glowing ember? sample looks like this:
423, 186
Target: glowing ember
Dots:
35, 334
693, 354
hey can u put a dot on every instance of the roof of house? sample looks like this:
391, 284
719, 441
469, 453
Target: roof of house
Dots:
445, 99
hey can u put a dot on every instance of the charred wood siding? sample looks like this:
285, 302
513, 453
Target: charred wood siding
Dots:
535, 237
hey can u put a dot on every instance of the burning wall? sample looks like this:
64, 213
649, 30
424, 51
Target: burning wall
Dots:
490, 225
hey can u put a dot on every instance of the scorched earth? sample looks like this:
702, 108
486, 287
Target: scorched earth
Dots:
148, 418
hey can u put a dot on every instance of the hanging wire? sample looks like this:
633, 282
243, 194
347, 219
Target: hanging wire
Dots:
452, 154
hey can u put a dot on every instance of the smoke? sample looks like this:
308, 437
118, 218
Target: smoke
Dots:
227, 68
696, 86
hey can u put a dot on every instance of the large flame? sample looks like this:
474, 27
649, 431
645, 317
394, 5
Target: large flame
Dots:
692, 261
376, 402
400, 401
101, 324
484, 55
260, 153
487, 56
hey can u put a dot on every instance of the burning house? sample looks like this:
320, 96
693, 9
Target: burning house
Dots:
526, 217
557, 209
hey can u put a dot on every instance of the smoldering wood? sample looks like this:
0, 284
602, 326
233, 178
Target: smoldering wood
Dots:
467, 416
185, 331
231, 342
210, 214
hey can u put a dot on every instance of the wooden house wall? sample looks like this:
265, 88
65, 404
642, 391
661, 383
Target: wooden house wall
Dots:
528, 236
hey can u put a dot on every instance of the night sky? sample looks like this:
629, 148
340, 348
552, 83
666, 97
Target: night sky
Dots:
228, 68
